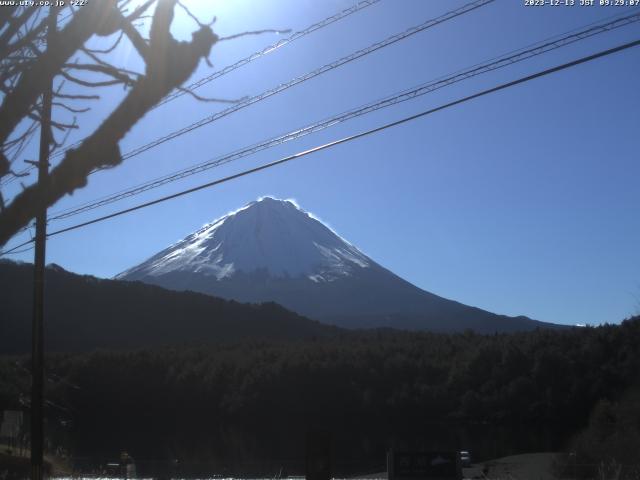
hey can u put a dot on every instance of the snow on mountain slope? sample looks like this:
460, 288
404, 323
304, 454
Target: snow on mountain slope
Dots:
268, 234
271, 250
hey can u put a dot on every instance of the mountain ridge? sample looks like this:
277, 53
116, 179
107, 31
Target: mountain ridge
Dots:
84, 313
272, 250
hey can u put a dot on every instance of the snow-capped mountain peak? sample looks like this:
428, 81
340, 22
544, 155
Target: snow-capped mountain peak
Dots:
271, 235
273, 251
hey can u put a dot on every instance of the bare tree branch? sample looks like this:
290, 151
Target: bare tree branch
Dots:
6, 14
77, 97
253, 32
169, 64
18, 174
194, 18
136, 39
116, 73
59, 144
87, 83
106, 50
15, 23
63, 126
17, 104
31, 35
188, 91
138, 12
70, 109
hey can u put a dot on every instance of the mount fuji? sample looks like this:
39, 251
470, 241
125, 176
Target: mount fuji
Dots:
271, 250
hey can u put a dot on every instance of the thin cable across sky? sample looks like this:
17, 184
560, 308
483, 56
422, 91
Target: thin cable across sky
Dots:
510, 58
310, 75
229, 68
503, 86
271, 48
304, 78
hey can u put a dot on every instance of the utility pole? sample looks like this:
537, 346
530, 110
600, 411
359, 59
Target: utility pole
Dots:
37, 340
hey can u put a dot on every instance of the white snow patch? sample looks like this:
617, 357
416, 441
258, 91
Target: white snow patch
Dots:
268, 234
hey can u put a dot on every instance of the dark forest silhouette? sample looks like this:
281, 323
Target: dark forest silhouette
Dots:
85, 312
254, 399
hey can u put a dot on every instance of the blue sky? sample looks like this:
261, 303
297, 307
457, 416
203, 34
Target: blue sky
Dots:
524, 202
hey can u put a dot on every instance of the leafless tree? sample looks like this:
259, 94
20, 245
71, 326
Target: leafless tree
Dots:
28, 63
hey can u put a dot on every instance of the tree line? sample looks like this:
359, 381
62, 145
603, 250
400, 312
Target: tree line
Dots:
262, 395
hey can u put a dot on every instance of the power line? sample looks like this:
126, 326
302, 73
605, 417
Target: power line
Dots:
539, 48
303, 78
14, 250
256, 55
334, 143
308, 76
229, 68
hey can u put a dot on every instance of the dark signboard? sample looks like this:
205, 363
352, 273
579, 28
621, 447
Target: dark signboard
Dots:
423, 465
